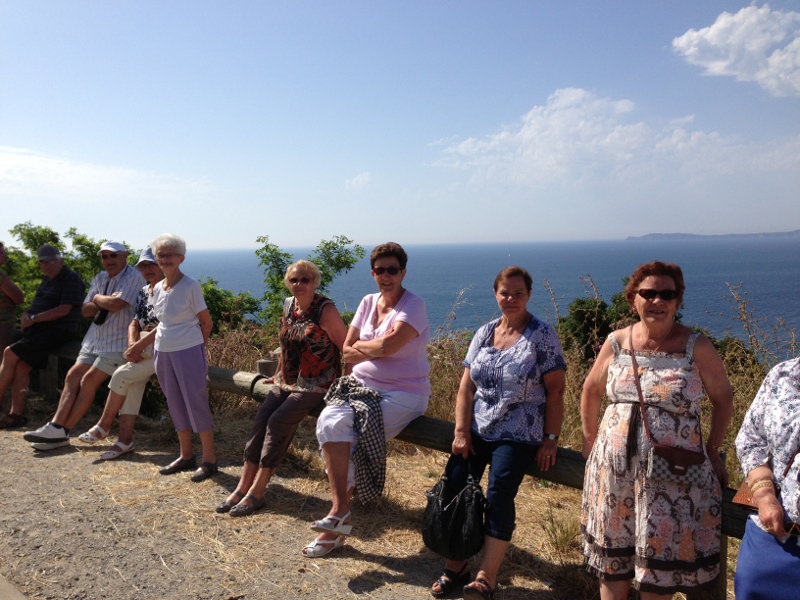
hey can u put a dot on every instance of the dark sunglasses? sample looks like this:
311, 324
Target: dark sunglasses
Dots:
665, 295
296, 280
109, 255
389, 270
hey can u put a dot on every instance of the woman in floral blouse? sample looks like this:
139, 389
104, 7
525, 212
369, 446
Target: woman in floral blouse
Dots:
769, 557
312, 334
509, 411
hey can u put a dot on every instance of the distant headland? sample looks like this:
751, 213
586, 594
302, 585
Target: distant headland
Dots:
726, 236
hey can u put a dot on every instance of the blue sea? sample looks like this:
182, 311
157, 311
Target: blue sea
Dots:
457, 279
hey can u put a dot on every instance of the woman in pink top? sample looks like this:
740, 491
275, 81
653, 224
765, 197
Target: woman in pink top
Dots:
387, 343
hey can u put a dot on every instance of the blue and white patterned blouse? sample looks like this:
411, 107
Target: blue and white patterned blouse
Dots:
510, 395
771, 428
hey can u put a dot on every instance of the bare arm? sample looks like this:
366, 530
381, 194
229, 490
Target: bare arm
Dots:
331, 322
715, 381
110, 303
593, 389
351, 355
11, 289
465, 400
555, 382
137, 342
53, 314
770, 511
205, 324
398, 336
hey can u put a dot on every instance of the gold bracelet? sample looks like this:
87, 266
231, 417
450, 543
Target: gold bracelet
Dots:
761, 484
765, 478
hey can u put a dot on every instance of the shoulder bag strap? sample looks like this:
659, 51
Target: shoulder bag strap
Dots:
638, 385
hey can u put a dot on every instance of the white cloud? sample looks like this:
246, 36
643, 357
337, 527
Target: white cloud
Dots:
31, 175
359, 182
756, 44
580, 141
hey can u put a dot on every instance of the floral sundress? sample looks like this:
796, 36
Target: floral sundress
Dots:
664, 535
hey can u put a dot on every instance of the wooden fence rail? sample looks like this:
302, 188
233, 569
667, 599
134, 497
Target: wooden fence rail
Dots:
437, 434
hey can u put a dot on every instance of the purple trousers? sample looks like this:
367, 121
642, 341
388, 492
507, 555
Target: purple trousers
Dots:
182, 376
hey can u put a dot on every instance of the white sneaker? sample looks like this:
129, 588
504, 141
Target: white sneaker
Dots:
45, 434
50, 445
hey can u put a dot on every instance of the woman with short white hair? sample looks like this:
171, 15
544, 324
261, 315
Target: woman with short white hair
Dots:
180, 356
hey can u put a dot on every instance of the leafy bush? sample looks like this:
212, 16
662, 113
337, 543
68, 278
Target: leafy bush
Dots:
332, 257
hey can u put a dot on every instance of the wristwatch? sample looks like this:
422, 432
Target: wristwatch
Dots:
32, 317
551, 436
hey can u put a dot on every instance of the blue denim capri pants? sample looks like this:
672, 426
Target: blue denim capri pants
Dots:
509, 461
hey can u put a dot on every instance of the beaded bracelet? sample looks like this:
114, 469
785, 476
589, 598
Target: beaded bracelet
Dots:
762, 483
765, 478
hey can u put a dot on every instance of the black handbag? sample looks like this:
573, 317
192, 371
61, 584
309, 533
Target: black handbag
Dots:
452, 525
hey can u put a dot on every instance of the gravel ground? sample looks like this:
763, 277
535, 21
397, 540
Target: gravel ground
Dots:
76, 528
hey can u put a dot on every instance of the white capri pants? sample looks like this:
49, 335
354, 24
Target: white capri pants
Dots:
129, 380
335, 423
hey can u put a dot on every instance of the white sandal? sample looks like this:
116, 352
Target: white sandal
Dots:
95, 434
322, 547
333, 524
123, 449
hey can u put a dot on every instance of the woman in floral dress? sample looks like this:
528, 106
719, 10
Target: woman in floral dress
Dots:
662, 535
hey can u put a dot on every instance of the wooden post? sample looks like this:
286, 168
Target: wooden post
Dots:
48, 379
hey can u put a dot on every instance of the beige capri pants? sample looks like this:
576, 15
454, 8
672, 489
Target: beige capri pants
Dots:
129, 380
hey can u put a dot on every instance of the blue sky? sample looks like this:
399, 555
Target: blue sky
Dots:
418, 122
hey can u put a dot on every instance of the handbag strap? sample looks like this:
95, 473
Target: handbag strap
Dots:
790, 463
638, 385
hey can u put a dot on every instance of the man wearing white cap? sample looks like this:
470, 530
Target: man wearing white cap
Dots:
110, 302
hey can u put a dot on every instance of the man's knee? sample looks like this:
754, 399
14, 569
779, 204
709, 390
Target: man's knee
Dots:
91, 380
10, 357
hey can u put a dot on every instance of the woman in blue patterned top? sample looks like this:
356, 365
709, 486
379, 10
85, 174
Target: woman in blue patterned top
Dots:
768, 566
509, 411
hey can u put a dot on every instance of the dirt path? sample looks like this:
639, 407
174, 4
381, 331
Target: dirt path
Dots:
75, 528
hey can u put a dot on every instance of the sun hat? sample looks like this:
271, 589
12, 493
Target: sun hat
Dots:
146, 256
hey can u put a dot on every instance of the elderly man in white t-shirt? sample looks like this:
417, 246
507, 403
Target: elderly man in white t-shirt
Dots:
110, 302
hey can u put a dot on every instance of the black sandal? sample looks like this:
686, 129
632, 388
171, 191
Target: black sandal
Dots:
12, 420
226, 504
450, 580
482, 591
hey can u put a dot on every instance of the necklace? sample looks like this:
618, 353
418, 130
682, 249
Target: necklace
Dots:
661, 341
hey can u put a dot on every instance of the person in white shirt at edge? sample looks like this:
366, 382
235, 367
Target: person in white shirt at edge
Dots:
184, 325
110, 302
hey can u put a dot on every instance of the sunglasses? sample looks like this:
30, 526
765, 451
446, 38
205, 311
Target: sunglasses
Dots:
296, 280
389, 270
792, 528
109, 255
665, 295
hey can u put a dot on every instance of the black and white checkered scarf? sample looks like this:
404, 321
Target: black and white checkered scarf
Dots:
370, 455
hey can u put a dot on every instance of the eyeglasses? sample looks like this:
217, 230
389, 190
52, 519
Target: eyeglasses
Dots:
665, 295
109, 255
47, 261
165, 255
389, 270
296, 280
